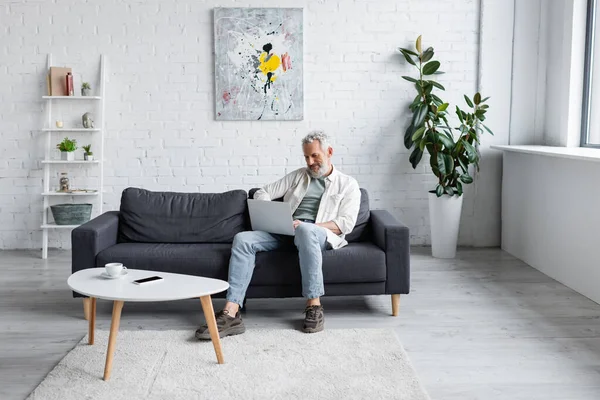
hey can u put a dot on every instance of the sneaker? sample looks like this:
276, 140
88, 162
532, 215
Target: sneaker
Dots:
314, 320
226, 324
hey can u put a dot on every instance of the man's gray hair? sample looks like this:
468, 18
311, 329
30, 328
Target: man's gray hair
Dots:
317, 135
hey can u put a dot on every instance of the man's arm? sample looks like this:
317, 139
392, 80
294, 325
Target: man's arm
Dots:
332, 226
276, 189
348, 211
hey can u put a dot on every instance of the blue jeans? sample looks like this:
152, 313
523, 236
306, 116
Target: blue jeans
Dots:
310, 240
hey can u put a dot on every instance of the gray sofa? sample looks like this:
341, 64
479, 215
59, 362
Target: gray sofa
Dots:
191, 233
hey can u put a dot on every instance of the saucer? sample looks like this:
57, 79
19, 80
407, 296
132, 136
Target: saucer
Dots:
107, 276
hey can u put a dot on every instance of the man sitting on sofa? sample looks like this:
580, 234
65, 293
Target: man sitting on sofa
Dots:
325, 205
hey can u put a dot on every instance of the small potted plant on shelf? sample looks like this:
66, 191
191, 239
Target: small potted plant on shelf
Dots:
88, 155
67, 149
86, 89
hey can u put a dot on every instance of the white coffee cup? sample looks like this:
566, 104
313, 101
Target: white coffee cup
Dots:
114, 269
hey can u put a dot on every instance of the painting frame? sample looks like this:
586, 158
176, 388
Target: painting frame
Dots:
259, 63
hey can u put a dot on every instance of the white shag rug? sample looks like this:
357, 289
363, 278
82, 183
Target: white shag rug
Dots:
259, 364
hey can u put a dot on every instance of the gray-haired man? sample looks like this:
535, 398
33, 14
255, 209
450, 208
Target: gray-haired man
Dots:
325, 206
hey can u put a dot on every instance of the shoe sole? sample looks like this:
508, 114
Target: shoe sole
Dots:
314, 330
237, 330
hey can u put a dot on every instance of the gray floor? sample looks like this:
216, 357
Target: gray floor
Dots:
482, 326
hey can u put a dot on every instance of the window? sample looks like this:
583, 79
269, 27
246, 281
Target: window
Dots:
590, 115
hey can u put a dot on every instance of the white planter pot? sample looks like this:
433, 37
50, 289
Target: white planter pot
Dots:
444, 217
88, 157
67, 155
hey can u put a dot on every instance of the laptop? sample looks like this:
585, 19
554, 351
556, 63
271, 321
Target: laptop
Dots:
271, 217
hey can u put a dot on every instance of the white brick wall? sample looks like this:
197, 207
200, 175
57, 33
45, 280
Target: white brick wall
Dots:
161, 133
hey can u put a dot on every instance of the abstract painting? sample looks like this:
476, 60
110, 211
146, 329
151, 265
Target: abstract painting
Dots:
259, 64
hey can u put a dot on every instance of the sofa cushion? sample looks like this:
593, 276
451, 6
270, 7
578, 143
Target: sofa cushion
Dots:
170, 217
354, 263
201, 259
361, 231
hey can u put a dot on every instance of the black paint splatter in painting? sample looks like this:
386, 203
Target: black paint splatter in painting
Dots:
268, 84
273, 32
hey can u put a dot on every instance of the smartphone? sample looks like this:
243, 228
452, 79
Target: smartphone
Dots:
146, 280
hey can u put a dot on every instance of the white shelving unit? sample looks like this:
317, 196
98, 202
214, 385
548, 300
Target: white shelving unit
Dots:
98, 103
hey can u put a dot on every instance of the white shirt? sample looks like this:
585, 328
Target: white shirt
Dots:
340, 202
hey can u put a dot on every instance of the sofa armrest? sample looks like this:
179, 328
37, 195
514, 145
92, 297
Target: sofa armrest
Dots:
91, 238
393, 237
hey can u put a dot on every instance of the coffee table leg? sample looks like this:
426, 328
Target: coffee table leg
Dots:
112, 339
209, 315
92, 326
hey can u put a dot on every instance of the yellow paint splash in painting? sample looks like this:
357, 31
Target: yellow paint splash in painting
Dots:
270, 65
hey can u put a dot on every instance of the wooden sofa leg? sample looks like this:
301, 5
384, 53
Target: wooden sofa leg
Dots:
87, 308
395, 304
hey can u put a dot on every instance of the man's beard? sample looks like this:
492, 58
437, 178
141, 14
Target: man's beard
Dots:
323, 169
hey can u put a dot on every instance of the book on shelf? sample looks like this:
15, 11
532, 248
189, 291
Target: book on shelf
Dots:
58, 81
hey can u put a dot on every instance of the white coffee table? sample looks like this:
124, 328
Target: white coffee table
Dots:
172, 287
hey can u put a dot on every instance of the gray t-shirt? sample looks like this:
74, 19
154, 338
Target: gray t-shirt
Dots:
309, 206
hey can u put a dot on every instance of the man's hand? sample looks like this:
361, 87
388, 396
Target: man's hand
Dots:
296, 223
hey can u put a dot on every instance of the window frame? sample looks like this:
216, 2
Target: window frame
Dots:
590, 26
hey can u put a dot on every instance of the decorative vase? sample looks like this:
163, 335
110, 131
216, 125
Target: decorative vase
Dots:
444, 219
67, 155
88, 157
86, 92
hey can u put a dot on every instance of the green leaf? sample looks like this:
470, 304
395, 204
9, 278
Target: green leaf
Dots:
488, 129
468, 100
408, 142
443, 107
477, 98
415, 157
420, 114
471, 152
450, 191
408, 58
427, 54
441, 164
459, 188
437, 85
423, 143
431, 150
466, 178
459, 114
433, 96
449, 161
418, 44
463, 165
418, 133
483, 101
403, 50
446, 141
408, 78
427, 88
439, 191
431, 67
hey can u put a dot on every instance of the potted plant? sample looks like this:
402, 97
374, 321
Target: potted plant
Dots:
86, 89
88, 155
67, 149
450, 155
